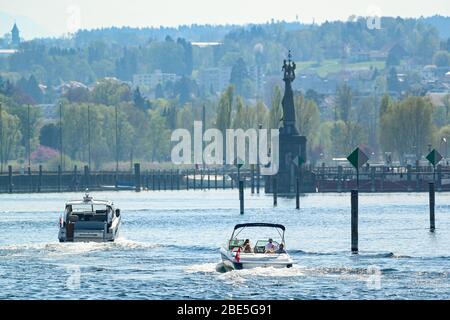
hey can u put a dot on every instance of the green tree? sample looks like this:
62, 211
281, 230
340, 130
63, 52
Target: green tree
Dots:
261, 114
407, 127
239, 119
224, 110
344, 98
442, 59
276, 110
111, 92
239, 77
11, 136
158, 137
307, 117
446, 103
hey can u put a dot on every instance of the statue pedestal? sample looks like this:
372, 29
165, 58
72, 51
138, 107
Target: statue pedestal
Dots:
291, 146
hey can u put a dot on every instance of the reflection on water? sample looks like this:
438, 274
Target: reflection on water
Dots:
170, 243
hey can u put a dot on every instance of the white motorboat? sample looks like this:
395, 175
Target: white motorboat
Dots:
265, 253
89, 220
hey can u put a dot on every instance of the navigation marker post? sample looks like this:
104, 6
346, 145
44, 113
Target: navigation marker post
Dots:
239, 163
298, 161
434, 157
241, 196
357, 158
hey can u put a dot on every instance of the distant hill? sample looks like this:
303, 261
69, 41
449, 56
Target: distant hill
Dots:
441, 23
193, 33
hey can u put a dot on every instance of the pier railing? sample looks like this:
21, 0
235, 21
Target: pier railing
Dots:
325, 179
382, 178
24, 181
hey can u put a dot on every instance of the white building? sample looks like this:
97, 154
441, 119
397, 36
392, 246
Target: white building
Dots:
216, 78
7, 52
151, 80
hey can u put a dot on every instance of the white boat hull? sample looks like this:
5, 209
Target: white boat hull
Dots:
92, 235
254, 260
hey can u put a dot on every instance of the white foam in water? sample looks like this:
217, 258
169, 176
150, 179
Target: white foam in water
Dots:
131, 244
201, 268
295, 271
73, 248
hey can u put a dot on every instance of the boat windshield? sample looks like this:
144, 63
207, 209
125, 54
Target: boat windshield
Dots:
88, 212
254, 233
85, 207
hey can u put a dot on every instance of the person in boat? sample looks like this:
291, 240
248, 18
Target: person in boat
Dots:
281, 249
270, 247
247, 248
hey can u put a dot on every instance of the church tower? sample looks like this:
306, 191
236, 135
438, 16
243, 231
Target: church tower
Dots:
15, 36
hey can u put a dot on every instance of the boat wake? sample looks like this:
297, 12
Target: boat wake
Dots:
201, 268
73, 248
237, 277
219, 268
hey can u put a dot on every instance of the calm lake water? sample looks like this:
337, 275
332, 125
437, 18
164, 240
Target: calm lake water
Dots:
169, 248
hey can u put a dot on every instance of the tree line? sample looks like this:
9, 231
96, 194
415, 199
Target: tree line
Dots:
377, 124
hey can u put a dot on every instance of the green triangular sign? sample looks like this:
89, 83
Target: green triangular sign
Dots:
298, 161
434, 157
238, 162
357, 158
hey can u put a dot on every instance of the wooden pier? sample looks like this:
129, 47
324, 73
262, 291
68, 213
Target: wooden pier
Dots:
323, 179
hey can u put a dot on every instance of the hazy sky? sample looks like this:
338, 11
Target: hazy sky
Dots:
61, 16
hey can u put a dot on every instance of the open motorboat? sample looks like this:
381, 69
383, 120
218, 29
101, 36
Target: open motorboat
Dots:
89, 220
265, 253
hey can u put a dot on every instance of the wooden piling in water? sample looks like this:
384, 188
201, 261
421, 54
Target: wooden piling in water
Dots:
417, 181
165, 180
30, 180
241, 196
202, 175
258, 178
172, 180
372, 179
275, 192
87, 178
39, 188
59, 178
75, 178
408, 177
137, 177
253, 179
297, 194
354, 221
339, 179
209, 179
159, 180
153, 180
432, 205
10, 180
223, 180
194, 179
187, 179
215, 179
439, 177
